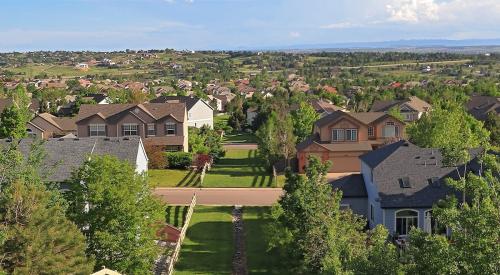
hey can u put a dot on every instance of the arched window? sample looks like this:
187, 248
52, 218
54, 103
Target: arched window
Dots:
405, 220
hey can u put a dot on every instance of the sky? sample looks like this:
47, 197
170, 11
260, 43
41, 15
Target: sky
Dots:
236, 24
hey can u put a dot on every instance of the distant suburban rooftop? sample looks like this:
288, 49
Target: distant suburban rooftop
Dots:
414, 102
190, 101
64, 155
480, 106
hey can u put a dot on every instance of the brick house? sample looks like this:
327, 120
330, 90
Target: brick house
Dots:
342, 137
158, 124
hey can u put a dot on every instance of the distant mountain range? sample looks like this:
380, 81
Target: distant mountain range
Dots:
424, 45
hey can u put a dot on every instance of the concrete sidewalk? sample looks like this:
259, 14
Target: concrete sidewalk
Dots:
221, 196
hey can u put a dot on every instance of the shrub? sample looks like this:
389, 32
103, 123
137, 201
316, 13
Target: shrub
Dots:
179, 160
156, 157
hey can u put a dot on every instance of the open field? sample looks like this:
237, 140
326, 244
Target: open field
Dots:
173, 178
208, 246
239, 168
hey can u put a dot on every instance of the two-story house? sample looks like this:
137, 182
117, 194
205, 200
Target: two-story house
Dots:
199, 112
398, 186
342, 137
411, 108
158, 124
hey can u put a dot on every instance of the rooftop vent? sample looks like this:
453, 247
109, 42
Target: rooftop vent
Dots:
417, 157
60, 139
126, 138
76, 139
406, 144
405, 182
107, 138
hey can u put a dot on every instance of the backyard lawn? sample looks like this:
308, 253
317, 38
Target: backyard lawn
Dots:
208, 246
239, 168
173, 178
176, 215
240, 137
259, 260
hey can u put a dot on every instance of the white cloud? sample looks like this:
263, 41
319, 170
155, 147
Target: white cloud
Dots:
341, 25
294, 34
413, 11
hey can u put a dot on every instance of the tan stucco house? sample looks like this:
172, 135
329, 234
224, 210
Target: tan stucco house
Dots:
342, 137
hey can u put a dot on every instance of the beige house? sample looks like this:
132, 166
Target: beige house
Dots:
342, 137
158, 124
46, 126
411, 108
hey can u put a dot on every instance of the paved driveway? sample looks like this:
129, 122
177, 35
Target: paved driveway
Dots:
221, 196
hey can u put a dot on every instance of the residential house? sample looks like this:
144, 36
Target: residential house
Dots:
217, 102
47, 126
163, 125
479, 106
411, 108
199, 111
400, 183
82, 66
321, 106
33, 105
225, 99
63, 156
342, 137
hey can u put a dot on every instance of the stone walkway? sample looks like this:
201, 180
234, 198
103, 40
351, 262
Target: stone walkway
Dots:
239, 257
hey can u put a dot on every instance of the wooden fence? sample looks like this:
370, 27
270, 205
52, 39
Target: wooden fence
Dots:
206, 168
177, 250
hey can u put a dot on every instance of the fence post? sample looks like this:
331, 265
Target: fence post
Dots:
177, 250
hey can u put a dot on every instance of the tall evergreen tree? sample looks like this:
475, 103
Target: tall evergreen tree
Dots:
117, 213
14, 118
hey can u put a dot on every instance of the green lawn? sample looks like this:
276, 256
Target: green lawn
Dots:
173, 178
240, 138
259, 260
176, 215
208, 246
239, 168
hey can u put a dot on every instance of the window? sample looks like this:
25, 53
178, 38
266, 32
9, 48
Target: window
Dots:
390, 129
371, 131
396, 131
130, 129
97, 130
351, 134
172, 148
338, 134
372, 213
431, 225
170, 129
151, 129
405, 220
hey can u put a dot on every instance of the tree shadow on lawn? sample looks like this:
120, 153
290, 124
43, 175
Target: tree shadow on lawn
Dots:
194, 180
179, 215
185, 178
259, 259
209, 249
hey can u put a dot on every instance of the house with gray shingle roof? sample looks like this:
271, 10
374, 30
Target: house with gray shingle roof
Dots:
401, 184
64, 155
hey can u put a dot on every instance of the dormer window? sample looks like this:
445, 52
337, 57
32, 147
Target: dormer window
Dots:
170, 129
338, 135
351, 134
130, 129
